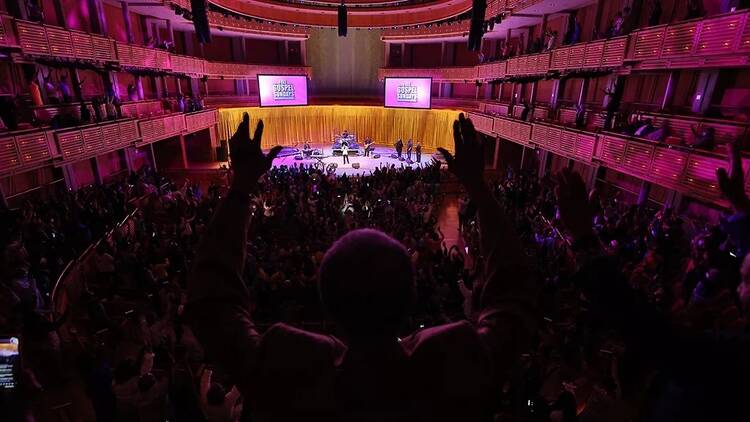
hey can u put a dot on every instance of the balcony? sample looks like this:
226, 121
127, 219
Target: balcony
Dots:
51, 41
201, 120
711, 42
444, 74
134, 56
244, 25
25, 150
188, 65
691, 172
91, 140
453, 29
158, 128
140, 109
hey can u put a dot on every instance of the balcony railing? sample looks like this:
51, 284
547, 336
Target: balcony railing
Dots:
91, 140
26, 150
200, 120
457, 74
37, 40
158, 128
692, 172
688, 44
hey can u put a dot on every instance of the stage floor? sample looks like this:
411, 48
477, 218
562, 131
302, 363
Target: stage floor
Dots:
367, 164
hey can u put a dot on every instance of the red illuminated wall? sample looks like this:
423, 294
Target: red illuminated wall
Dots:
463, 56
111, 165
219, 50
425, 55
221, 87
464, 90
262, 51
84, 173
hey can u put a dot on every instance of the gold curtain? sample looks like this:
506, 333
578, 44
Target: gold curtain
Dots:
291, 126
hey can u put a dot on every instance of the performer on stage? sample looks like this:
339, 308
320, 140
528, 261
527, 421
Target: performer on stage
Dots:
399, 147
368, 146
409, 147
418, 150
345, 152
306, 149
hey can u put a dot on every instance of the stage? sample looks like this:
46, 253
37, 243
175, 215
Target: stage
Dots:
366, 164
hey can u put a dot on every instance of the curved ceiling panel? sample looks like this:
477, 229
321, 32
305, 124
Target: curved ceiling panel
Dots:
361, 13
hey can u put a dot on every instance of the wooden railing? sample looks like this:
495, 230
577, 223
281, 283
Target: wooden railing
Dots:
38, 40
26, 150
91, 140
457, 74
689, 44
136, 109
200, 120
692, 172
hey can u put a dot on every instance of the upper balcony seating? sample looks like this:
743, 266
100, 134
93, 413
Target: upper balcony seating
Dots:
38, 40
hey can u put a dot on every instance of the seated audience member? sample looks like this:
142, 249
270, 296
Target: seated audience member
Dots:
526, 110
655, 17
704, 136
217, 404
580, 115
645, 127
694, 9
371, 371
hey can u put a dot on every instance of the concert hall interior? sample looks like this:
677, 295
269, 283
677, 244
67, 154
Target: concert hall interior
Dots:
508, 210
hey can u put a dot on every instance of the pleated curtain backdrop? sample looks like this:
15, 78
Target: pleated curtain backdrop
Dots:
289, 126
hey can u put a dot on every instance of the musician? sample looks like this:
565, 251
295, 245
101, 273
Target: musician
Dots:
399, 147
409, 148
306, 149
418, 151
368, 146
345, 152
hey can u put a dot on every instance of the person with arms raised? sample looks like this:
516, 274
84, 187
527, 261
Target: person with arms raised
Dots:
450, 372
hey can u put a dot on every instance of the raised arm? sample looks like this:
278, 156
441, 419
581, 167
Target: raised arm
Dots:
693, 356
508, 315
218, 299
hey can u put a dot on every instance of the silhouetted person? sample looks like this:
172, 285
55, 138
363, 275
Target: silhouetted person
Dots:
451, 372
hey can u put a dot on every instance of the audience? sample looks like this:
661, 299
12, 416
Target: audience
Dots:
148, 323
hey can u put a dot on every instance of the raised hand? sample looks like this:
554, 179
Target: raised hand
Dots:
248, 161
468, 162
732, 185
575, 209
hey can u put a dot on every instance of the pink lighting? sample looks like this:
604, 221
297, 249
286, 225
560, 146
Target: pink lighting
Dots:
282, 90
408, 92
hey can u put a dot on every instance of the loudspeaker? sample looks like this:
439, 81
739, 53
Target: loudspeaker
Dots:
401, 158
409, 161
342, 20
476, 26
222, 152
394, 155
298, 157
200, 21
355, 165
375, 155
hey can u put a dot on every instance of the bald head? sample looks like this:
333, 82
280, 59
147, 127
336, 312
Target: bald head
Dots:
366, 283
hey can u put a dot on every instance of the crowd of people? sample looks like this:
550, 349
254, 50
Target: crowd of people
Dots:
592, 351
